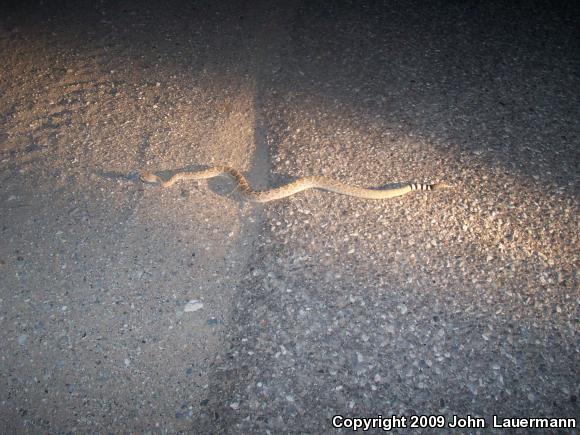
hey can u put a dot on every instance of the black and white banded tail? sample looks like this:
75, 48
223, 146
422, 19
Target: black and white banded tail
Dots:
422, 186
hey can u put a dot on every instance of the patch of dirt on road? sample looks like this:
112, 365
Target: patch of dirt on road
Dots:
97, 269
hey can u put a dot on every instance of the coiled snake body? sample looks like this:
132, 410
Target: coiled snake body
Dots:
288, 189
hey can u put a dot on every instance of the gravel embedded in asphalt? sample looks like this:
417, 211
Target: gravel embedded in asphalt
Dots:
126, 307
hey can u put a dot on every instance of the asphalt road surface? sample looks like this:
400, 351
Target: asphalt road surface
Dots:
126, 307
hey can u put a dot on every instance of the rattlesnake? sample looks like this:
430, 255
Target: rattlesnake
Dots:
289, 189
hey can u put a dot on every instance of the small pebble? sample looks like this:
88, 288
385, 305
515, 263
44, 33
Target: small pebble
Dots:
193, 305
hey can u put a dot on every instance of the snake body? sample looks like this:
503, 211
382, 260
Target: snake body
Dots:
289, 189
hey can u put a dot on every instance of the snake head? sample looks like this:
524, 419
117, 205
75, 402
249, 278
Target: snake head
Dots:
149, 177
